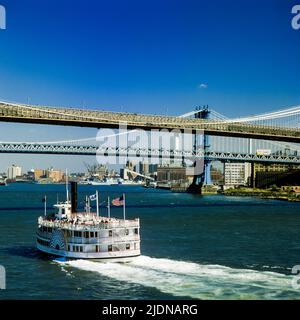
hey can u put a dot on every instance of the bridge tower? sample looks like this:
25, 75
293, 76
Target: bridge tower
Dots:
204, 113
202, 141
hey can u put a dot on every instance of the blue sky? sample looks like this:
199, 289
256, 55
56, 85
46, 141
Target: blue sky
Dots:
145, 56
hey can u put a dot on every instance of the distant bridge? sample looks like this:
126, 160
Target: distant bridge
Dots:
275, 126
92, 150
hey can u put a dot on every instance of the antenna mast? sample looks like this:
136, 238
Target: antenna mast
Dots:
124, 206
108, 206
67, 187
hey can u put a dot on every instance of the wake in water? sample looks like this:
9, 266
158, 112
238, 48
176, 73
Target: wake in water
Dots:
187, 279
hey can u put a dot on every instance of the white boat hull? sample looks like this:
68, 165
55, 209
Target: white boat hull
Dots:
119, 255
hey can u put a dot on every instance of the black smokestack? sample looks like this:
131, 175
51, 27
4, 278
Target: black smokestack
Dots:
73, 197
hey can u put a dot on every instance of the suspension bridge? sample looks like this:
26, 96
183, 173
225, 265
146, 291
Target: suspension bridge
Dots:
281, 125
216, 137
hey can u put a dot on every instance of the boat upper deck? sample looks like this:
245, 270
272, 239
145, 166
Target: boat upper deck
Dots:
87, 221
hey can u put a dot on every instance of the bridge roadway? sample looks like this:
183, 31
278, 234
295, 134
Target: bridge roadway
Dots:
92, 150
10, 112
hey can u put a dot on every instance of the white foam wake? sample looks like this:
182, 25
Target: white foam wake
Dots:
188, 279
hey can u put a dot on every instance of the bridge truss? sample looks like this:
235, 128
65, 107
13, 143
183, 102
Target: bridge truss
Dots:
143, 153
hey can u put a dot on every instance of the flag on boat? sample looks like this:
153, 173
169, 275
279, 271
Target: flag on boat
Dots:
93, 197
118, 201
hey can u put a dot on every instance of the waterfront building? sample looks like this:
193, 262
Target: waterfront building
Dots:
56, 175
97, 170
124, 173
101, 172
217, 176
265, 175
168, 173
131, 171
13, 172
144, 168
237, 174
39, 174
295, 189
153, 168
130, 165
273, 167
127, 173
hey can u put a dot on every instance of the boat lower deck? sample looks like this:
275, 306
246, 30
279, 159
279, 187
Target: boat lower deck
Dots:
89, 255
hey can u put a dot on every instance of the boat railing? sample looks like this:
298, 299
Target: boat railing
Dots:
88, 225
102, 240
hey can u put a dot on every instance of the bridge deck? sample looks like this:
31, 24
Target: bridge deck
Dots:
104, 119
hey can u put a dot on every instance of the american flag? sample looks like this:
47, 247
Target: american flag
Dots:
93, 197
118, 201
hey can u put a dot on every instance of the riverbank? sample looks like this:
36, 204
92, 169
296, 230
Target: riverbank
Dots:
263, 194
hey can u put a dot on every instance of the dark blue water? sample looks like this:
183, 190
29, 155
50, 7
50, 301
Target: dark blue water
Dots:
211, 247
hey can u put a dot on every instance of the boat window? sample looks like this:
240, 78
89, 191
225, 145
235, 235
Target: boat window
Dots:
86, 234
127, 246
43, 243
136, 231
126, 232
92, 234
109, 248
110, 233
96, 234
81, 249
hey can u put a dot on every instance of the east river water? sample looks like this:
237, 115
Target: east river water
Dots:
193, 247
